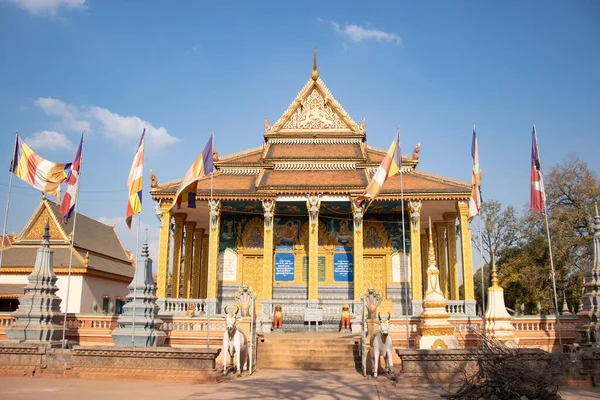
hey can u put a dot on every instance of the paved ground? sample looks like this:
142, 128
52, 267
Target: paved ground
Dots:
265, 384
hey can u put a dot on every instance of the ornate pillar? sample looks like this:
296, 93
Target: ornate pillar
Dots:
177, 245
424, 262
416, 283
204, 268
198, 236
267, 273
465, 249
313, 203
187, 259
359, 278
440, 231
213, 268
450, 219
164, 247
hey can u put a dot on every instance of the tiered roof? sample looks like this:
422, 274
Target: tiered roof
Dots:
315, 146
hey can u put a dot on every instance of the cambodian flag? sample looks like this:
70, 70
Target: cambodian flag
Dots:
538, 195
70, 198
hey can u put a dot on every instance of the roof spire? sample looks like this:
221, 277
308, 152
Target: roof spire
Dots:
431, 250
494, 272
46, 238
315, 71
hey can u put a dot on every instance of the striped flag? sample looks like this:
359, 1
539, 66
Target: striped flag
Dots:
538, 194
134, 182
390, 166
203, 165
67, 206
36, 171
475, 200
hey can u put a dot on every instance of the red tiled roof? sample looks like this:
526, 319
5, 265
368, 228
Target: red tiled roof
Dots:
314, 151
317, 179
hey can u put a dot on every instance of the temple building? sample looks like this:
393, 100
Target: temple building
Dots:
284, 219
101, 268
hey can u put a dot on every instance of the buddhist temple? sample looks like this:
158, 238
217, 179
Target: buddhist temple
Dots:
284, 219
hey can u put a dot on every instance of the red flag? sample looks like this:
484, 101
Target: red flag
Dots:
538, 195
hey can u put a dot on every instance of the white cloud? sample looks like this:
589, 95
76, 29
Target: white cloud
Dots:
69, 115
123, 130
126, 129
49, 140
39, 7
356, 33
128, 236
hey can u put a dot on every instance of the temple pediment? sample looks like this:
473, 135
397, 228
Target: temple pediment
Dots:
315, 110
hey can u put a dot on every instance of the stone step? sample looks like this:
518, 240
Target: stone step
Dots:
306, 352
309, 366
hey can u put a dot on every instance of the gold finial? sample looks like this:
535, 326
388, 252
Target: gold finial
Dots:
431, 251
315, 71
494, 274
43, 196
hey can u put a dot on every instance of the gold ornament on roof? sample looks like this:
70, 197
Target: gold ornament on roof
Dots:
315, 71
494, 273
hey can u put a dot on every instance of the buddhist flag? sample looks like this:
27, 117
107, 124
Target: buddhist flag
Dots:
203, 165
134, 183
67, 206
475, 200
390, 166
36, 171
538, 195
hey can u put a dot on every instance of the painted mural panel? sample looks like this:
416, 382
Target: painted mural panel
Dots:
232, 227
339, 230
286, 230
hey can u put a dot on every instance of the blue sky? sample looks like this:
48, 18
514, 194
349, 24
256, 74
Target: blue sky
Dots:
186, 69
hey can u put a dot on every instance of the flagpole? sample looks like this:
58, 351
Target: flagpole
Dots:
12, 160
404, 247
137, 244
482, 270
553, 282
64, 343
209, 252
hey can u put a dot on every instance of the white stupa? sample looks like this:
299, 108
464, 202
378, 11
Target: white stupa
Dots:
435, 331
498, 325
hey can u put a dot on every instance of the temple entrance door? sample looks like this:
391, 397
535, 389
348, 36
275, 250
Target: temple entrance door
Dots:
252, 272
374, 273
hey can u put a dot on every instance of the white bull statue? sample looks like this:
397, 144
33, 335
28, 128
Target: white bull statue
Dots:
234, 343
381, 345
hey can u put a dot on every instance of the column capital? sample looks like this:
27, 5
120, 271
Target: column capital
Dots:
215, 212
189, 226
414, 208
268, 209
357, 211
462, 207
449, 216
179, 218
313, 204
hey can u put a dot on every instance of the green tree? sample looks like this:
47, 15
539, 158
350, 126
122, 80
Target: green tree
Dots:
500, 230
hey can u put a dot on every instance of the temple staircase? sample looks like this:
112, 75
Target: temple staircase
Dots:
309, 351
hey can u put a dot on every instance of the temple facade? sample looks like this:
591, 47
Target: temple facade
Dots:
284, 219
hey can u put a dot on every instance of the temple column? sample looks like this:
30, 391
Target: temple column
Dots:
359, 277
204, 268
313, 203
177, 245
198, 236
187, 259
465, 249
416, 283
440, 231
164, 248
423, 263
213, 268
267, 285
450, 219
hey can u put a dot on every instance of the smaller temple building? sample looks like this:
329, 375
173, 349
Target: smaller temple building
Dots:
101, 268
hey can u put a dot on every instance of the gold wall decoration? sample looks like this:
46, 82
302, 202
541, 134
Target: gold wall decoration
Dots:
37, 229
439, 344
374, 273
315, 113
304, 234
375, 235
252, 235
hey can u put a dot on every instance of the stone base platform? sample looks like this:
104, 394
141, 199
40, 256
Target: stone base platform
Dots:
109, 362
